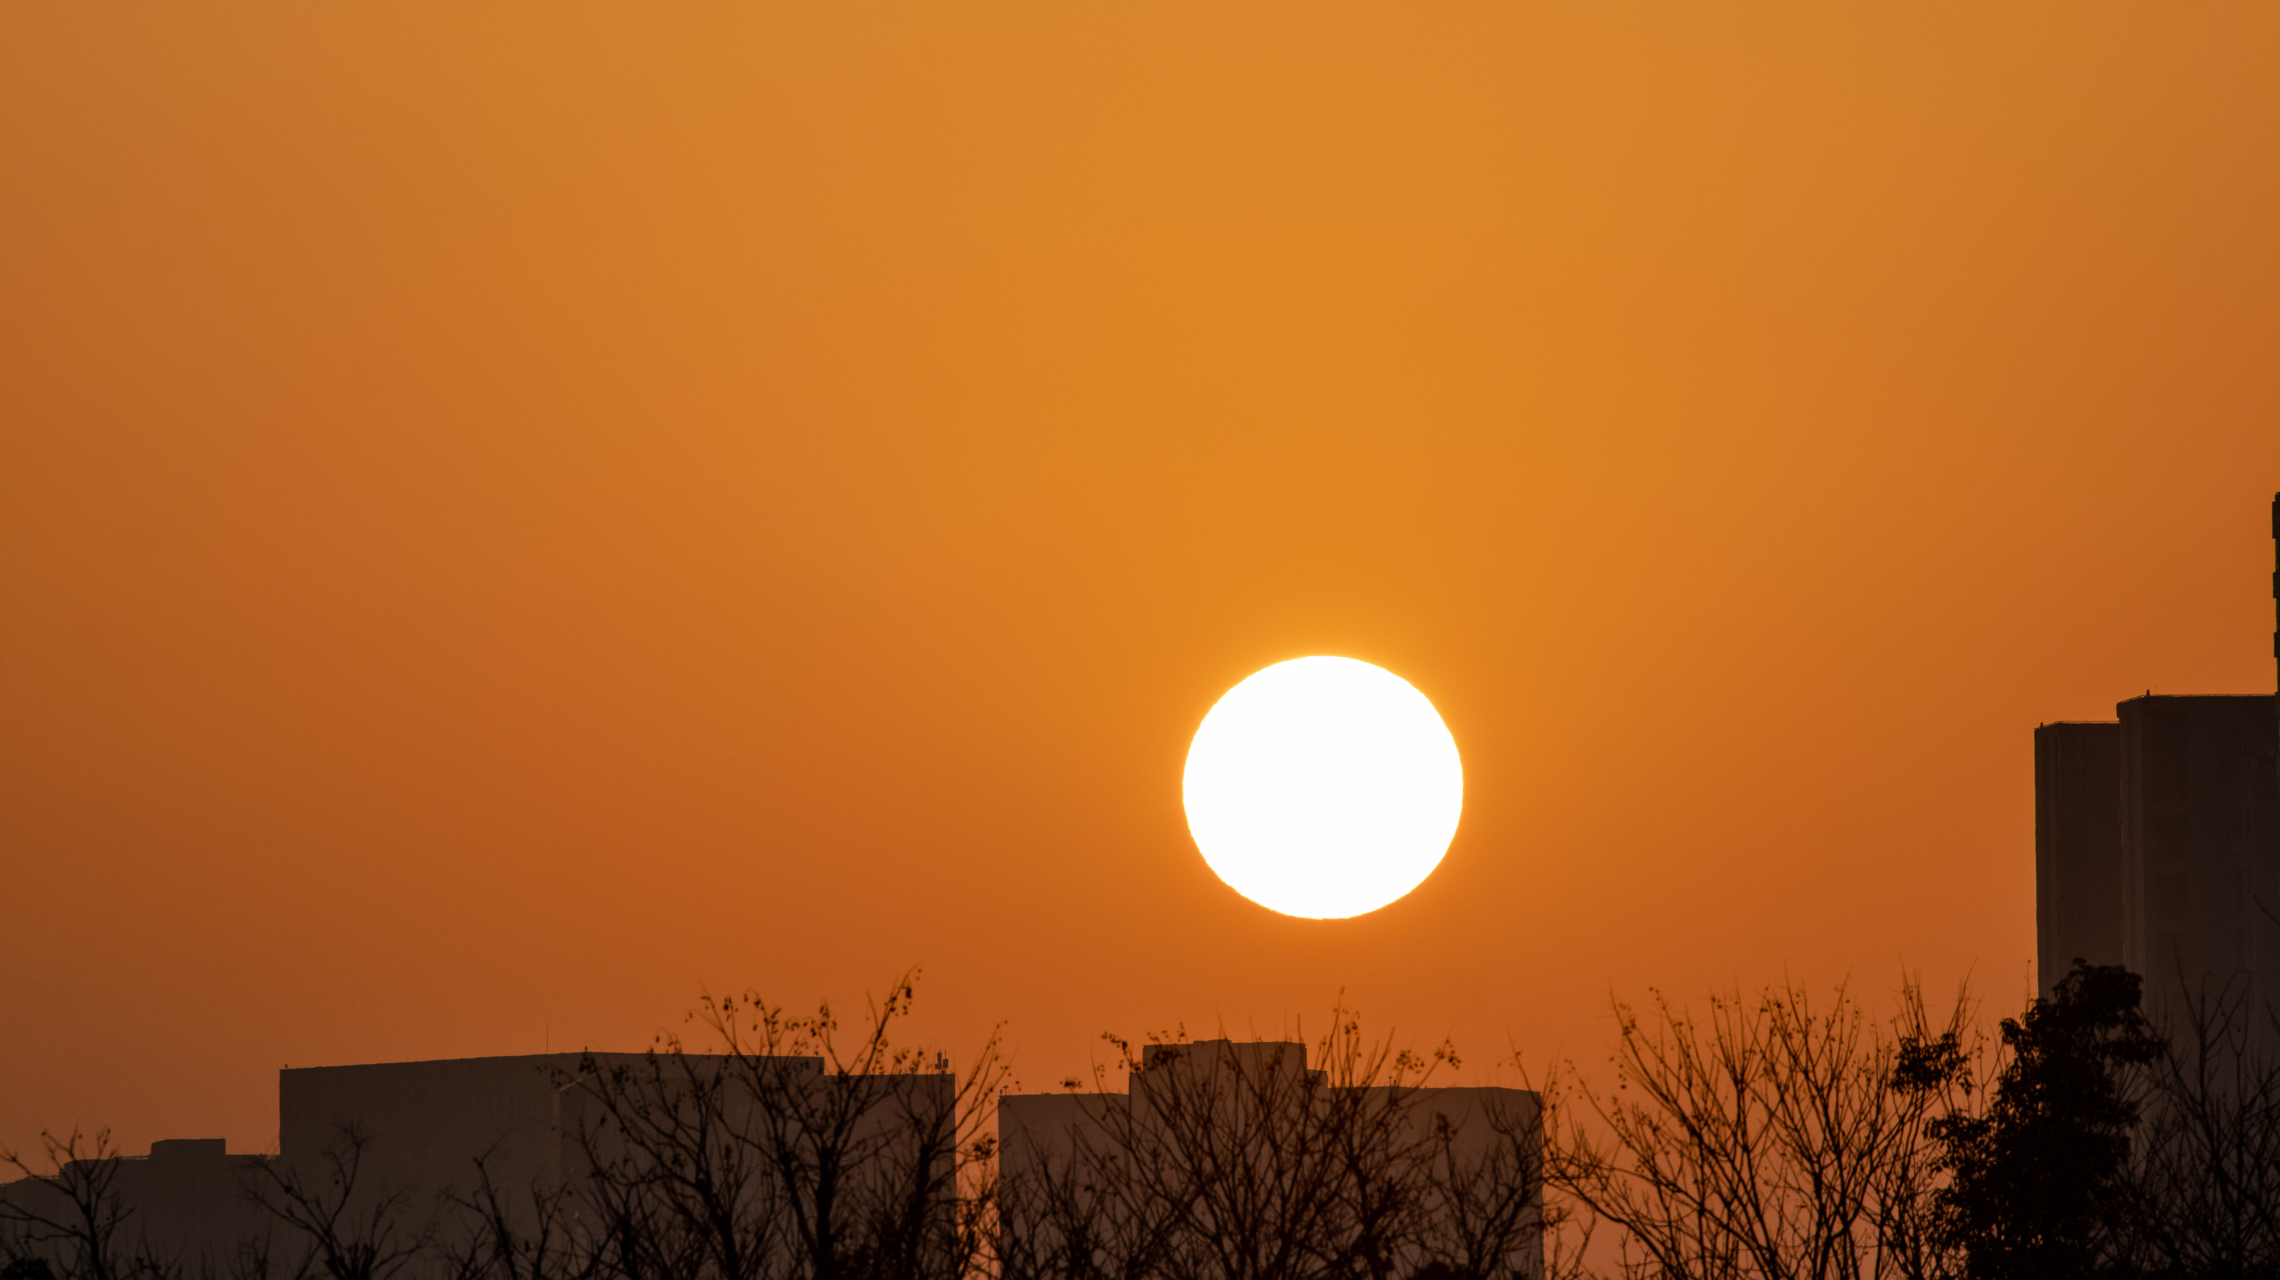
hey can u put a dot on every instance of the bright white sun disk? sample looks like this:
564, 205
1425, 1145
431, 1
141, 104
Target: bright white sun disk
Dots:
1323, 787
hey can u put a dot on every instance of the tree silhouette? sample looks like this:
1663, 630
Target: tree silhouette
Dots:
2039, 1183
1229, 1160
72, 1212
1771, 1139
347, 1228
2204, 1183
787, 1154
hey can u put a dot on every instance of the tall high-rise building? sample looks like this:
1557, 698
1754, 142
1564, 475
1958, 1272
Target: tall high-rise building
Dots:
2157, 846
2200, 818
2078, 847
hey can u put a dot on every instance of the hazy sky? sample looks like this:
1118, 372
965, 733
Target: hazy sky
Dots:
514, 514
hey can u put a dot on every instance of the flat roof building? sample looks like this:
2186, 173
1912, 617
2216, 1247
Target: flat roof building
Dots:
184, 1204
1220, 1149
401, 1151
425, 1124
2157, 846
2200, 822
2078, 848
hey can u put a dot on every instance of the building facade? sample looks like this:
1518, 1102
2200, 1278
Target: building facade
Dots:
1221, 1157
2078, 848
2157, 846
413, 1155
2200, 819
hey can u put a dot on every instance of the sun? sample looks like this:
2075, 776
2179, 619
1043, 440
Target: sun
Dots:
1323, 787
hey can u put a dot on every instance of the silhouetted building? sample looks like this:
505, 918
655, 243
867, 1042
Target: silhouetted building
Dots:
421, 1126
2078, 847
2201, 852
422, 1136
1222, 1146
2157, 846
184, 1202
424, 1124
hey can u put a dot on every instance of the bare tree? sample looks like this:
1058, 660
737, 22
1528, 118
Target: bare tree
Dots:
786, 1153
673, 1183
346, 1228
1237, 1143
533, 1232
1771, 1140
1240, 1161
1486, 1216
72, 1214
1073, 1214
871, 1162
2204, 1182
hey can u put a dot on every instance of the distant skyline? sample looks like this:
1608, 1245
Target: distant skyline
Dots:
511, 518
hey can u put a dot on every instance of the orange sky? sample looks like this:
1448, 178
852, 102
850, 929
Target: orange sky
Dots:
513, 513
